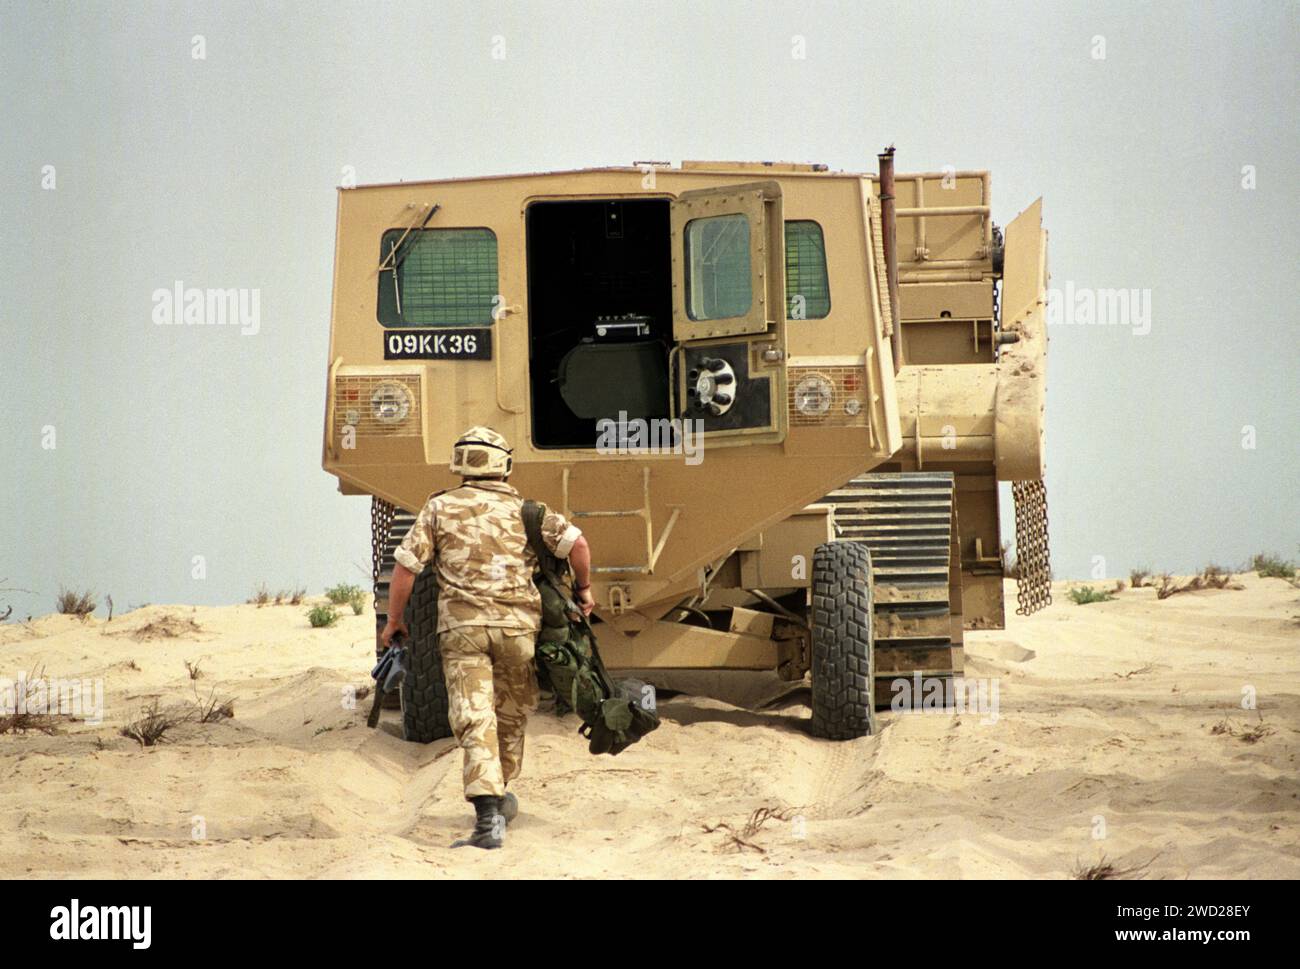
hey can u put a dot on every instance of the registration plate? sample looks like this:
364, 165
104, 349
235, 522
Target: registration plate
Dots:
440, 344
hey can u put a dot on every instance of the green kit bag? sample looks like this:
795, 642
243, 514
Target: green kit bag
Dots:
614, 716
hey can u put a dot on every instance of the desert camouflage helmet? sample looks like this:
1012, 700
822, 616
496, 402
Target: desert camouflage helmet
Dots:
479, 453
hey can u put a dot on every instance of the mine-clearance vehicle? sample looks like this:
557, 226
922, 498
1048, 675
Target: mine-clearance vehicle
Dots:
778, 400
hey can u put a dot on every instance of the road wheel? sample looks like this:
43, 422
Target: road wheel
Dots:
424, 691
843, 664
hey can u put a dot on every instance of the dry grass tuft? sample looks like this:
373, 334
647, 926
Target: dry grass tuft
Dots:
1270, 566
154, 722
46, 723
1106, 870
262, 596
1210, 577
26, 721
1250, 735
1213, 577
742, 839
151, 727
79, 604
213, 710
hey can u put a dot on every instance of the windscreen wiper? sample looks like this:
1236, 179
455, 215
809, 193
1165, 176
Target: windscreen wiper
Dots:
398, 250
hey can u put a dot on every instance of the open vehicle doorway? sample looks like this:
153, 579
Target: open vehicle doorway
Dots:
600, 315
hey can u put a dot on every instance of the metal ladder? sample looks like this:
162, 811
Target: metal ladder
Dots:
653, 549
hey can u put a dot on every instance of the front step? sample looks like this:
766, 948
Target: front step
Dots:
909, 522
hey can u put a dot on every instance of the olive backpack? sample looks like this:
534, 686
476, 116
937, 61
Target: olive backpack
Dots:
614, 716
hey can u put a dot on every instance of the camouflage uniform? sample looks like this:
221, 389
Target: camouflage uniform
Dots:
489, 612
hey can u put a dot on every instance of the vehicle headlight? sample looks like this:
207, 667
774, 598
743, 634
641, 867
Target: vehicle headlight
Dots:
813, 394
391, 402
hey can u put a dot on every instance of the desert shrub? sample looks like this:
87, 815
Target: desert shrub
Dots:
149, 729
1272, 567
358, 603
342, 593
1138, 578
1084, 595
260, 596
79, 604
322, 616
212, 710
1210, 577
23, 717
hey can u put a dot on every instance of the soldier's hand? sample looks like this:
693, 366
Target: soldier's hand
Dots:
585, 601
393, 627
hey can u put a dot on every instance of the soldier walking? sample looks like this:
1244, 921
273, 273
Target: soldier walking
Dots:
489, 613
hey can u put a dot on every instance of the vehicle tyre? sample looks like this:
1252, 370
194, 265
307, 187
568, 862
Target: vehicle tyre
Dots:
843, 625
424, 690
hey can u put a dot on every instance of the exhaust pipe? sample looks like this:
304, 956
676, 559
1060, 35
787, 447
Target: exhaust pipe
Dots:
889, 215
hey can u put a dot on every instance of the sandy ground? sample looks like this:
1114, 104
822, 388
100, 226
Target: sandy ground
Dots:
1120, 732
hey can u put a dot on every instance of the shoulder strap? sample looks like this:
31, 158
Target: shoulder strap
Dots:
554, 571
552, 568
532, 514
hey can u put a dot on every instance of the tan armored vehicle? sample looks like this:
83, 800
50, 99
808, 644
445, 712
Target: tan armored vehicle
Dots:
777, 399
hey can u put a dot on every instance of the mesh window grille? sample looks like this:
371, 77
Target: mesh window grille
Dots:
446, 277
807, 287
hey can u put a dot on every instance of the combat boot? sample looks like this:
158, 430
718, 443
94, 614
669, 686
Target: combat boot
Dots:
509, 807
489, 824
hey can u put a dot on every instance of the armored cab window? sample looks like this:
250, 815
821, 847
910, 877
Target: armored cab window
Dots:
807, 286
718, 282
437, 277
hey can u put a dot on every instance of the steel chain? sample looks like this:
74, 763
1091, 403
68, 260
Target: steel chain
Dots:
1033, 557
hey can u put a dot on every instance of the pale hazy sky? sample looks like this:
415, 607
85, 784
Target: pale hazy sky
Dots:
220, 172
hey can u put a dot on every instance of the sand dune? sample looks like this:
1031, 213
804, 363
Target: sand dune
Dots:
1124, 716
